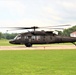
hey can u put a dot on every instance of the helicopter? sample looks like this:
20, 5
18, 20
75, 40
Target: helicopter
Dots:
40, 37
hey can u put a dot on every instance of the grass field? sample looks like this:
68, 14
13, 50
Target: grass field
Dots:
38, 62
4, 42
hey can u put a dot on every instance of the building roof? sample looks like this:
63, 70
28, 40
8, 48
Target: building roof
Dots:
73, 32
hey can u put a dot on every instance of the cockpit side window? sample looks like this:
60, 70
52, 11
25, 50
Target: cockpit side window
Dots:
18, 37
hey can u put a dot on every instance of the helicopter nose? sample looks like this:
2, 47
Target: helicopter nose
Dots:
12, 41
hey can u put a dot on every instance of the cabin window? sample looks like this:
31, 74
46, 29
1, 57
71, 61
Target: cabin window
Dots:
26, 37
33, 37
37, 37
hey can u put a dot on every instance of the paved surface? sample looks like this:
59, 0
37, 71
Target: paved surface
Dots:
51, 47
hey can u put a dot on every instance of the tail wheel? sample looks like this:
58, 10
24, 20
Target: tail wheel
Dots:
28, 45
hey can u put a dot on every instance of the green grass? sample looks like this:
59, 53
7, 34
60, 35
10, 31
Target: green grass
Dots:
4, 42
38, 62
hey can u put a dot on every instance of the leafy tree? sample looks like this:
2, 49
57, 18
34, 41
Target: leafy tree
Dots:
7, 35
60, 32
0, 35
66, 32
10, 36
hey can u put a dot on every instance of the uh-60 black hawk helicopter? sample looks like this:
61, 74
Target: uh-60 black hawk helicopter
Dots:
40, 37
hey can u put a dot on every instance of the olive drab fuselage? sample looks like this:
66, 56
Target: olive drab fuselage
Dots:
40, 37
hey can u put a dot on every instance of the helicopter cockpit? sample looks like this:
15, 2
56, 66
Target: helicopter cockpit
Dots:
18, 37
15, 40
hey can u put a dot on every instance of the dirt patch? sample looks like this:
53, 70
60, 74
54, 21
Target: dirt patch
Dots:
51, 47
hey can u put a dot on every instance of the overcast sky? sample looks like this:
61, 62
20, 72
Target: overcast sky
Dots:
25, 13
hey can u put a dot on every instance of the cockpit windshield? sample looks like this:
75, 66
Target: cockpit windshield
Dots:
17, 37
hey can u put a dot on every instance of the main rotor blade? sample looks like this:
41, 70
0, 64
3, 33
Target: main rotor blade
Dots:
20, 28
56, 26
35, 27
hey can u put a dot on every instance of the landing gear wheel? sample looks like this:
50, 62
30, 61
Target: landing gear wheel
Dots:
28, 45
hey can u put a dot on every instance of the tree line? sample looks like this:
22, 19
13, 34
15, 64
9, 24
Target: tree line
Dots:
66, 32
7, 35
